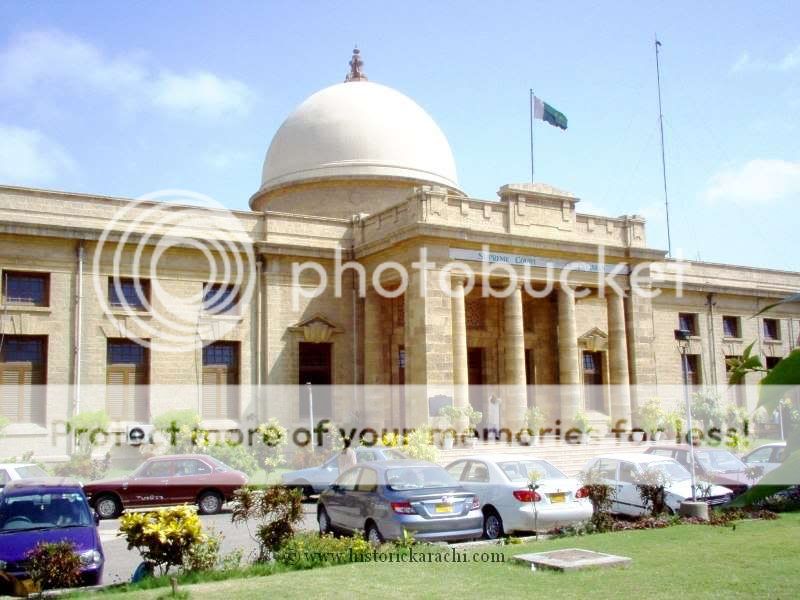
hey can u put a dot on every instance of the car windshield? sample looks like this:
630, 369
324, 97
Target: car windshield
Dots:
674, 471
418, 478
44, 511
390, 454
31, 471
720, 461
521, 470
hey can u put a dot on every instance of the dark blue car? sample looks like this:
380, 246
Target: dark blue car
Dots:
48, 509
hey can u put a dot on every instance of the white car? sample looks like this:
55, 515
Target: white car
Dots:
769, 456
501, 483
622, 471
15, 471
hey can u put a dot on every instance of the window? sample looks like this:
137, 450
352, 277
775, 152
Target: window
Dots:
129, 293
691, 369
191, 466
737, 392
771, 361
762, 455
127, 376
731, 327
772, 329
688, 322
23, 366
221, 380
368, 482
221, 299
477, 473
606, 469
348, 480
157, 468
456, 470
662, 452
31, 289
627, 472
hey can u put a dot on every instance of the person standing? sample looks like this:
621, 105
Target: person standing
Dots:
493, 418
347, 458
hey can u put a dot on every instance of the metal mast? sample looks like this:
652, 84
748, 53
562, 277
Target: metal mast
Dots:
663, 158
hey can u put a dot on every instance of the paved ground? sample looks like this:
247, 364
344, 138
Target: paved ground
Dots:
121, 562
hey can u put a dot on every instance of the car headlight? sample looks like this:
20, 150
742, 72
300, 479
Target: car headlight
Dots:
91, 558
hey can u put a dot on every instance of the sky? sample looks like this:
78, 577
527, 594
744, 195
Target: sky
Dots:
129, 98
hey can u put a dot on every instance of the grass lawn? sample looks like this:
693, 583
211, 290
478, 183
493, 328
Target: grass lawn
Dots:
757, 559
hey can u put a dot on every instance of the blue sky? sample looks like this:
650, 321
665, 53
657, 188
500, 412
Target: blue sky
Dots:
128, 98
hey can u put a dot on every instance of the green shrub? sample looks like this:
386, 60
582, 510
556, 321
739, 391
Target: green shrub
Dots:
164, 537
180, 428
83, 467
276, 511
601, 495
54, 565
418, 444
270, 444
235, 455
204, 555
86, 429
310, 550
651, 484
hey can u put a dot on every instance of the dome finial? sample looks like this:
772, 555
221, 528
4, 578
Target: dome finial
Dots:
356, 63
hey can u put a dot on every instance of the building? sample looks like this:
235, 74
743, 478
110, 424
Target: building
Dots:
361, 172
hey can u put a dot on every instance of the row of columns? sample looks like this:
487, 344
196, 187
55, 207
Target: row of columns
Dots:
514, 378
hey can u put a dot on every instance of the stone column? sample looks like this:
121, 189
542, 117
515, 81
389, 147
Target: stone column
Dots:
460, 367
618, 360
569, 375
514, 400
641, 339
376, 372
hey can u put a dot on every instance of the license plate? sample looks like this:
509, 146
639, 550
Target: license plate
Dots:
444, 508
557, 498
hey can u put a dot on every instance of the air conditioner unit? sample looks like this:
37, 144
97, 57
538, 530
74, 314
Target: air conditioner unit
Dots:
137, 434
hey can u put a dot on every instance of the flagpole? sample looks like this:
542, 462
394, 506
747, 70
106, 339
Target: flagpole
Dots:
530, 113
663, 159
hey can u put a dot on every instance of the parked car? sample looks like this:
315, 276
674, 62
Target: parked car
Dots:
48, 509
622, 471
501, 484
715, 465
159, 481
315, 479
17, 471
768, 456
384, 498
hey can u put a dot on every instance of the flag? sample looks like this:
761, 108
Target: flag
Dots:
544, 112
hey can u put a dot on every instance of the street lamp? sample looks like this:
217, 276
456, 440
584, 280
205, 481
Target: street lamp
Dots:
682, 337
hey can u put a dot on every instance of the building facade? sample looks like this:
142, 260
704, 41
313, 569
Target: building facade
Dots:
357, 175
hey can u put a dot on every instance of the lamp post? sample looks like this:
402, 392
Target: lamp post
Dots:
310, 410
682, 336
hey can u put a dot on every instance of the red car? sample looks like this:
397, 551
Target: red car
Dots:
178, 479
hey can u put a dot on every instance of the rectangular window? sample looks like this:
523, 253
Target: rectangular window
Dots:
772, 329
23, 365
688, 322
221, 299
129, 293
221, 380
736, 392
731, 327
693, 365
771, 361
127, 376
31, 289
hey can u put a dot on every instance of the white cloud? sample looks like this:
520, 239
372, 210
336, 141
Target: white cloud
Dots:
52, 60
746, 62
759, 181
28, 157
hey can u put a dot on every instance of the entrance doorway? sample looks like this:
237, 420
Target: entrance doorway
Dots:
530, 377
593, 380
475, 378
315, 367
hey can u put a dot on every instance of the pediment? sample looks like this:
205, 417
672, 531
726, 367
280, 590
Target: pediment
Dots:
317, 329
594, 340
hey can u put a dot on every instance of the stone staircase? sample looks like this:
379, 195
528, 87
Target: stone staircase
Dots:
570, 458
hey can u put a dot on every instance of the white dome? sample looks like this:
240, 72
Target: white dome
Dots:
358, 129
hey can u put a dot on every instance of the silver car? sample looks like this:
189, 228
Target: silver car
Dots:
501, 483
769, 456
386, 497
313, 480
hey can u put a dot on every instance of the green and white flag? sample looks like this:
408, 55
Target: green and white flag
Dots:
544, 112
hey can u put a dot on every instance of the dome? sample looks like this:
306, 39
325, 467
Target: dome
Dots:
358, 129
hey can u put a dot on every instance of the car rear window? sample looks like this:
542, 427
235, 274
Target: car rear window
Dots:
31, 471
44, 511
418, 478
521, 470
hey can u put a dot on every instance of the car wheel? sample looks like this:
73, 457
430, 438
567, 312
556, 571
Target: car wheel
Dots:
324, 521
373, 535
209, 503
107, 507
492, 525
